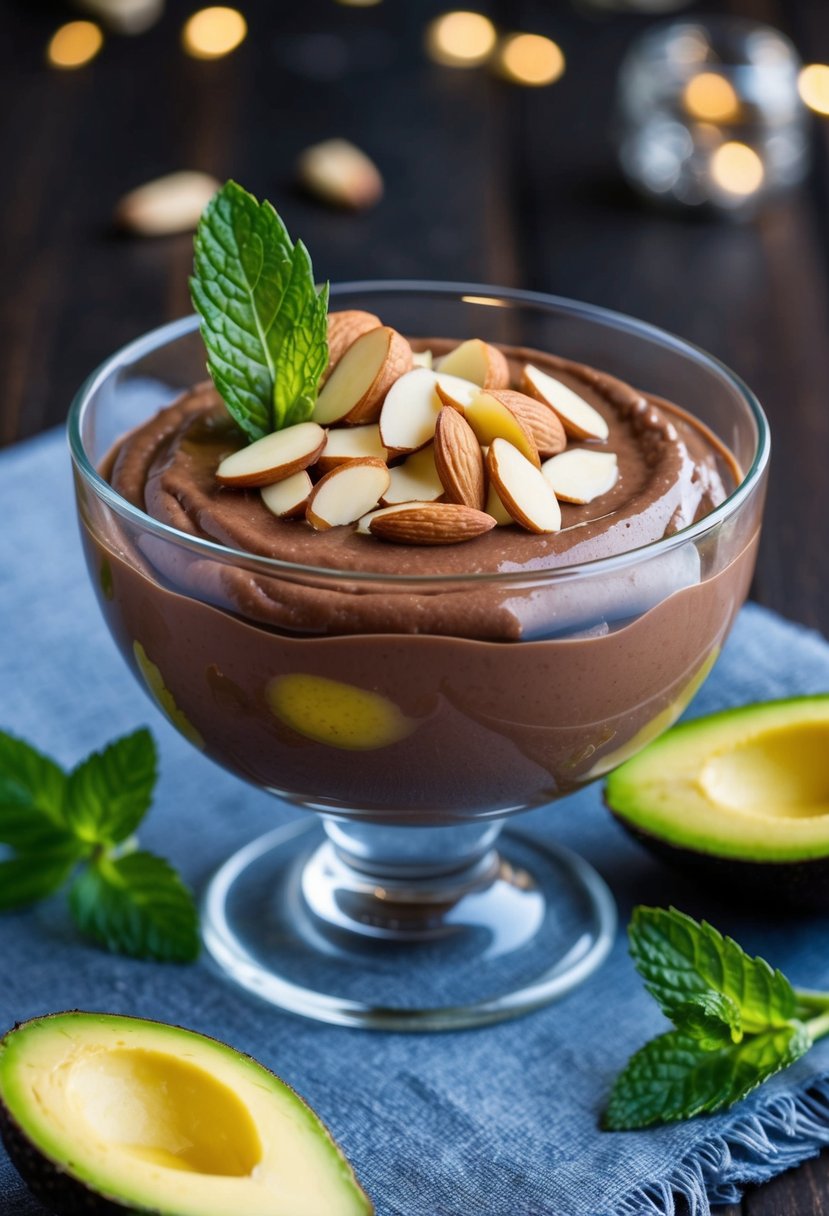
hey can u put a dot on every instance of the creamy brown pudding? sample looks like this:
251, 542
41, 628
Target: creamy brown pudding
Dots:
412, 699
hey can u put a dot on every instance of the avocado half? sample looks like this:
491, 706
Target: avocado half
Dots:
105, 1115
739, 799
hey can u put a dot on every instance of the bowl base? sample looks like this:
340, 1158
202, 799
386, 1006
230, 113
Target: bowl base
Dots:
537, 922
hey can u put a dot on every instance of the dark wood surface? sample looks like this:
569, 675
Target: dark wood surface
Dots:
484, 182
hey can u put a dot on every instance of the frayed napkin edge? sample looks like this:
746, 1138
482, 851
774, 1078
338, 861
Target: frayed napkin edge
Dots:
785, 1133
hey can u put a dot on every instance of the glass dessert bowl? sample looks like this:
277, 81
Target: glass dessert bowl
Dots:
416, 702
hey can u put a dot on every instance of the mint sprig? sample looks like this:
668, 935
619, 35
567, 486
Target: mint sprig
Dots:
57, 825
264, 324
737, 1022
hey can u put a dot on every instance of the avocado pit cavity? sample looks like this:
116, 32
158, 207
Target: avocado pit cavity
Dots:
158, 1108
780, 773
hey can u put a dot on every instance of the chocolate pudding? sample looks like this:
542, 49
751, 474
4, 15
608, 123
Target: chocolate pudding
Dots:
353, 685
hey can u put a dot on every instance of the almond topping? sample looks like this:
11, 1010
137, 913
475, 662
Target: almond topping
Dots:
415, 480
459, 460
410, 411
289, 498
350, 443
364, 522
479, 362
344, 328
496, 508
347, 492
274, 457
431, 523
355, 389
539, 419
490, 420
456, 392
579, 419
522, 488
580, 475
422, 358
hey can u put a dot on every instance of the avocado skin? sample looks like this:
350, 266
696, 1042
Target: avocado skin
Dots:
55, 1189
798, 886
66, 1195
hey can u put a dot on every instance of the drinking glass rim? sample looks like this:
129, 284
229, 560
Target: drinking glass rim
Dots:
484, 293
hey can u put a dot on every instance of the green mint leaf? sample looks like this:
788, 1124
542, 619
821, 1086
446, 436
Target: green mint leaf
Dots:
137, 905
711, 1018
29, 877
263, 322
674, 1077
679, 959
110, 792
32, 794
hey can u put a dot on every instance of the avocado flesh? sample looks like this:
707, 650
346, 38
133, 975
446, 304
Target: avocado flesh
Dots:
148, 1118
748, 783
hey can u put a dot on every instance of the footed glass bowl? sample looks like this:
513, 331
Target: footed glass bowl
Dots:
408, 908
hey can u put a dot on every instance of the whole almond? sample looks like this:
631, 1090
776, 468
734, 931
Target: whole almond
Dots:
541, 421
166, 205
431, 523
345, 327
341, 174
459, 460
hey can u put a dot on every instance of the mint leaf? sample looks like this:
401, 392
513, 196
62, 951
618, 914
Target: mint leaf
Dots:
679, 958
674, 1077
32, 793
712, 1019
110, 792
137, 905
262, 320
30, 877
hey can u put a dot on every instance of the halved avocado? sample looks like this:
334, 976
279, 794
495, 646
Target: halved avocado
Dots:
739, 799
106, 1115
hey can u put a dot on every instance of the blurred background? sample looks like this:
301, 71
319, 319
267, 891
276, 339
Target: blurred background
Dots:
667, 159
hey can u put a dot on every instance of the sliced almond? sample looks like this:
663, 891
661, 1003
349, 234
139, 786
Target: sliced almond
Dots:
490, 420
522, 488
579, 419
422, 358
415, 480
539, 419
496, 508
289, 498
459, 460
274, 457
347, 492
410, 411
479, 362
455, 391
431, 523
350, 443
344, 328
580, 475
355, 389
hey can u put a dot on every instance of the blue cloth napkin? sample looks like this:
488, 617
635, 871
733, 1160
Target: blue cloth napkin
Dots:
499, 1121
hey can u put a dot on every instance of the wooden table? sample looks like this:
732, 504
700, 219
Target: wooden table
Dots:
484, 182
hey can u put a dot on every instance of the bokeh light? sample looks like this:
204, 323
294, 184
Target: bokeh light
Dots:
737, 169
213, 32
813, 86
460, 39
74, 44
531, 59
712, 98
